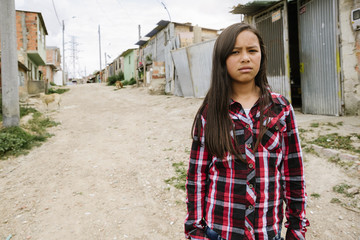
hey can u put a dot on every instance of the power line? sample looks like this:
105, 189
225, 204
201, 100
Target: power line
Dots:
56, 13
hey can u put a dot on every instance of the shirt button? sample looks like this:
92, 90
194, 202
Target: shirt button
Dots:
247, 126
249, 228
251, 207
276, 128
251, 186
248, 145
251, 165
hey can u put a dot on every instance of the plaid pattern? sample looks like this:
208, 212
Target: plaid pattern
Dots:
245, 200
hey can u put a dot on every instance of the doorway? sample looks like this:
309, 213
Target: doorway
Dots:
294, 59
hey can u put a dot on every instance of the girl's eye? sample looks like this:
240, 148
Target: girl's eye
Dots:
235, 52
253, 50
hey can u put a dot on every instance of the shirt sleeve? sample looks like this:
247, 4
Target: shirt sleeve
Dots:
294, 181
196, 185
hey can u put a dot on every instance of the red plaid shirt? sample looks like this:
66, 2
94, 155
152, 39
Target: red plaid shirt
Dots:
245, 200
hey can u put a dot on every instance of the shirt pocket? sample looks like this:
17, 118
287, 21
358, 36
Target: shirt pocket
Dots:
272, 138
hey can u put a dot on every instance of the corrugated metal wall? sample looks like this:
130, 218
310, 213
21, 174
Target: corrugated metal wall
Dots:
318, 51
273, 36
183, 72
193, 65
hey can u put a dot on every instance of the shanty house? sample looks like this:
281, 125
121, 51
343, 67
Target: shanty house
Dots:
310, 49
157, 46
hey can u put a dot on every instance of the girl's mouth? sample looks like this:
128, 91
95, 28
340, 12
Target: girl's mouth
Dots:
245, 69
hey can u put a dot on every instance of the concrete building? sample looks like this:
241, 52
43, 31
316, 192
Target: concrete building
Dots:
130, 57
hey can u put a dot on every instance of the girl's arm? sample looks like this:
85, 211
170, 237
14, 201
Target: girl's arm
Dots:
196, 185
294, 182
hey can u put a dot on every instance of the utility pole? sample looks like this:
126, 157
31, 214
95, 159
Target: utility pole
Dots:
139, 32
357, 42
63, 45
100, 51
74, 55
9, 64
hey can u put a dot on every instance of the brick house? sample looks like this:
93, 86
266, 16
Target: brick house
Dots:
31, 47
50, 70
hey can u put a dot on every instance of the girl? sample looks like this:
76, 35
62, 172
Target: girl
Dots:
245, 158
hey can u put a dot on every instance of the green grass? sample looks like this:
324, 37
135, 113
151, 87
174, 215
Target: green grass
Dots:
341, 123
342, 189
341, 163
311, 150
332, 124
58, 90
335, 141
315, 195
15, 141
335, 200
179, 180
314, 125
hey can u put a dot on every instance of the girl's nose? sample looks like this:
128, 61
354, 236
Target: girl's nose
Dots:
245, 58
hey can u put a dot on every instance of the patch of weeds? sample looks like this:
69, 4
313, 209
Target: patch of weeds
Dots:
335, 200
187, 150
168, 149
15, 141
353, 204
342, 189
335, 141
301, 130
26, 111
39, 123
179, 180
341, 123
57, 90
314, 125
332, 125
311, 150
315, 195
338, 161
356, 135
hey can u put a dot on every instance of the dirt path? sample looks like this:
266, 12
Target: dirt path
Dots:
102, 175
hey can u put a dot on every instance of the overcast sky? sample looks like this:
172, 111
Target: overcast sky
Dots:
119, 20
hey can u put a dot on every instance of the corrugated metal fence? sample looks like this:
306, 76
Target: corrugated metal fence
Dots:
272, 33
318, 55
193, 67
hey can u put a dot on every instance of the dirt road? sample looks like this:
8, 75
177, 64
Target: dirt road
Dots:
102, 176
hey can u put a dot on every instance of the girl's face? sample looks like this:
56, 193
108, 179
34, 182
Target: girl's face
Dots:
243, 63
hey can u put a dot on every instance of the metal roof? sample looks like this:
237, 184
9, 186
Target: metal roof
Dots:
253, 7
160, 26
142, 41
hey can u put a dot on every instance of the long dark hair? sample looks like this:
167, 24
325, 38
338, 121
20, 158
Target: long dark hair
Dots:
218, 139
